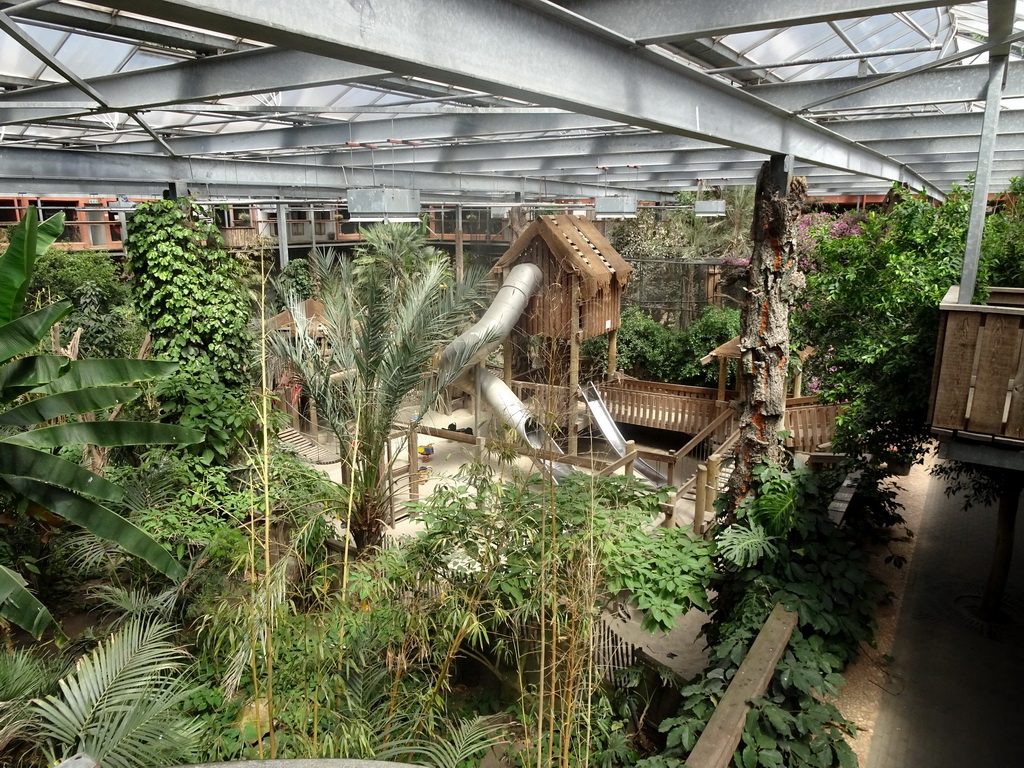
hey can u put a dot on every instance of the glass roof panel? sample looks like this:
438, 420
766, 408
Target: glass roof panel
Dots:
144, 59
913, 29
90, 57
20, 62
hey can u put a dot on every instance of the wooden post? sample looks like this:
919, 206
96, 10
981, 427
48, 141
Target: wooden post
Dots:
798, 383
714, 476
480, 448
574, 367
506, 361
630, 449
723, 375
613, 350
414, 467
314, 425
700, 490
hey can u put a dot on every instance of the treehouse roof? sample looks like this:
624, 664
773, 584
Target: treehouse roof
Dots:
577, 246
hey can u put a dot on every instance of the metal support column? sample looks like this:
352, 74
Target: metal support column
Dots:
282, 235
459, 266
982, 178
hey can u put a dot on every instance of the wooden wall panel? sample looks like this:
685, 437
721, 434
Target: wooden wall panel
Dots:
957, 361
1000, 341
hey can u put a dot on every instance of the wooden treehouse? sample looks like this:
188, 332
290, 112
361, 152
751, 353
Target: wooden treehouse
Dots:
582, 271
977, 398
584, 279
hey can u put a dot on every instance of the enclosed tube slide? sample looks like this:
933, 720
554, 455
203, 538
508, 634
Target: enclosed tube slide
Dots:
466, 352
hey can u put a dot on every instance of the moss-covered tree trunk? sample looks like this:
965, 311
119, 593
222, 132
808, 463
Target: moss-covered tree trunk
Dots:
764, 330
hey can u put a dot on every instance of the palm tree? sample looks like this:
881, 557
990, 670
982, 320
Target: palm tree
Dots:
40, 393
385, 316
122, 706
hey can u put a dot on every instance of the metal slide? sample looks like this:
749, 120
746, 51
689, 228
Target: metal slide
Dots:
471, 348
610, 430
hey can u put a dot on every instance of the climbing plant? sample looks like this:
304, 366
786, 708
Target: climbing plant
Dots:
188, 289
190, 293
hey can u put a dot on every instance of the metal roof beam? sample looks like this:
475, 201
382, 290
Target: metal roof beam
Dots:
118, 24
507, 48
42, 171
947, 85
335, 134
235, 74
620, 163
663, 21
925, 126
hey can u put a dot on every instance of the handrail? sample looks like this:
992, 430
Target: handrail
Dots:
722, 734
705, 433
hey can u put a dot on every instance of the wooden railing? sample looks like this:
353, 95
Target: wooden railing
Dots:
978, 380
722, 734
811, 424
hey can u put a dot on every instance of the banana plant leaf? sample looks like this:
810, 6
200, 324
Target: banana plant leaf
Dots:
108, 434
65, 403
24, 463
28, 241
99, 521
26, 373
84, 374
19, 606
22, 335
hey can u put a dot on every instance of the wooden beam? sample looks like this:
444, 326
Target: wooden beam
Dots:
718, 742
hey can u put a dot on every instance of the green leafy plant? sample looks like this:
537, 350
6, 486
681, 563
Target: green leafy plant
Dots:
191, 294
123, 704
871, 311
382, 327
815, 569
46, 390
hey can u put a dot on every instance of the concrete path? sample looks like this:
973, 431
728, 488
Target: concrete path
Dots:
954, 692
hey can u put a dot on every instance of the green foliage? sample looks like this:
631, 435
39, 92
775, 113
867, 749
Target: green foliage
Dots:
187, 288
814, 569
383, 326
61, 274
224, 413
190, 293
604, 519
24, 675
648, 350
295, 283
123, 704
1003, 244
94, 285
871, 312
38, 389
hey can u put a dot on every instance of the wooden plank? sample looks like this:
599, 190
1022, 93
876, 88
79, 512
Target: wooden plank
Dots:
718, 742
1000, 347
956, 361
1015, 416
936, 366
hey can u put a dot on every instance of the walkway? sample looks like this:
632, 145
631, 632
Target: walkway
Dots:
953, 698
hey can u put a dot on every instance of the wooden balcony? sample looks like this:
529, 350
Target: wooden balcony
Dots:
978, 383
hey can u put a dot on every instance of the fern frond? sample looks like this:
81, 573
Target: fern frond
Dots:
467, 741
122, 704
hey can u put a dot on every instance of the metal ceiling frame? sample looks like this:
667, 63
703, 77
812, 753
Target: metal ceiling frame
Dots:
494, 99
